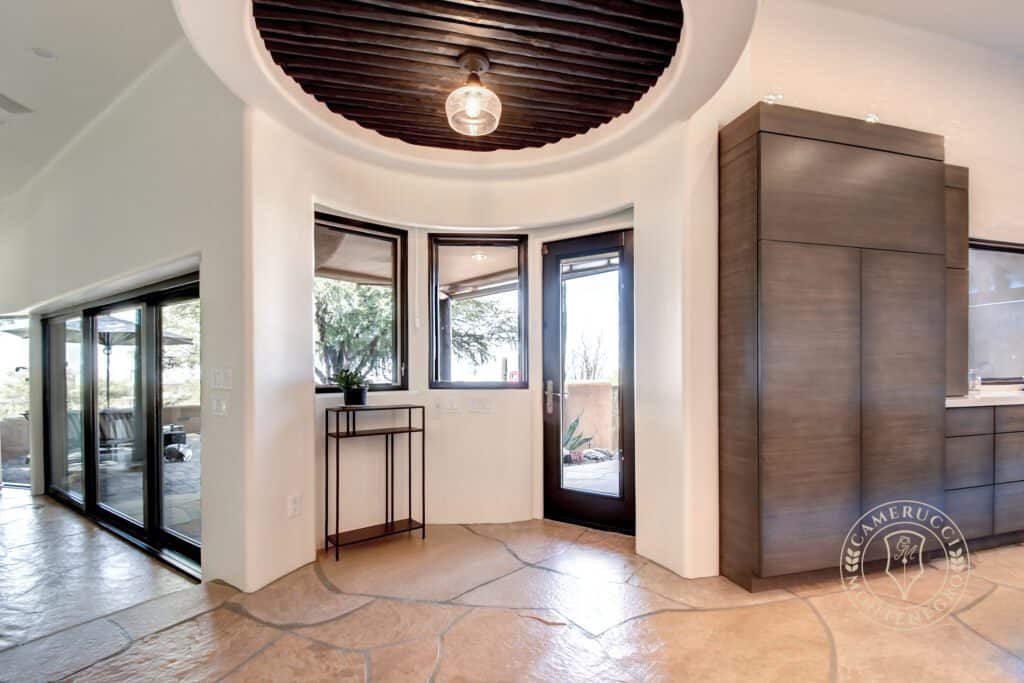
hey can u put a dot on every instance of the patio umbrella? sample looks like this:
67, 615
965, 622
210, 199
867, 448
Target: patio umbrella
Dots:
110, 332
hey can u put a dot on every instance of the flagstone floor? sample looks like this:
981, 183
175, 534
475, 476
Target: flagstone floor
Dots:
532, 601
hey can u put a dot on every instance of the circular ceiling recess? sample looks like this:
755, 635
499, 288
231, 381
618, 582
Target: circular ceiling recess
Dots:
559, 67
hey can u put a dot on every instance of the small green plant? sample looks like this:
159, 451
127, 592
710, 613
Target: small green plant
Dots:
571, 441
349, 379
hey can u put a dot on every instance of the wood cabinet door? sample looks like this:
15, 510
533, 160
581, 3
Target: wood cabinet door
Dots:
827, 193
809, 318
903, 377
956, 332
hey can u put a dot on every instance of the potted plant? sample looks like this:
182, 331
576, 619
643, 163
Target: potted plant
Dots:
354, 385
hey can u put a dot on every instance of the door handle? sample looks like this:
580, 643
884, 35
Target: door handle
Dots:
549, 396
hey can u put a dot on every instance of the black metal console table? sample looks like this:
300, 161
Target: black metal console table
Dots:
351, 431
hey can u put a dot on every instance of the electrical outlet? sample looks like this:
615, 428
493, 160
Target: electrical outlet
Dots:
294, 506
451, 405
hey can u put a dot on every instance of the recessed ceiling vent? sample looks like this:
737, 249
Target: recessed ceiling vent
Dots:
12, 107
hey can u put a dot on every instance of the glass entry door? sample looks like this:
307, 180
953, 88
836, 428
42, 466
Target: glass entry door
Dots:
588, 381
123, 419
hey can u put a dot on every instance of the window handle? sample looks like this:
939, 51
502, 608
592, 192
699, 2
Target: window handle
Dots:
549, 396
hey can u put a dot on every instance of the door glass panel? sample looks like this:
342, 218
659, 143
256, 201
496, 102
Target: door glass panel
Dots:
122, 454
180, 434
590, 374
14, 417
65, 397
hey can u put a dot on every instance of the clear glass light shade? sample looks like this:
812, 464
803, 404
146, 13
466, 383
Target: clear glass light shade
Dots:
473, 110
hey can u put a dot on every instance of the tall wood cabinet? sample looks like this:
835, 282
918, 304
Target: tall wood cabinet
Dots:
832, 314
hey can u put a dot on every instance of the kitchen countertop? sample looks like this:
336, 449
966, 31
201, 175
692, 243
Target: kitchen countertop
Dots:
1003, 396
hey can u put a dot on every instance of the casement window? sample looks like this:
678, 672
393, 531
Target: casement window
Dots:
360, 303
478, 308
996, 311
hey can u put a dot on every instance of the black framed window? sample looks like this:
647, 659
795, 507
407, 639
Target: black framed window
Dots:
360, 303
478, 312
996, 311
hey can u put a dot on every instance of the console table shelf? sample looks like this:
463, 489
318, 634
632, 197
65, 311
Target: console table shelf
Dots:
339, 433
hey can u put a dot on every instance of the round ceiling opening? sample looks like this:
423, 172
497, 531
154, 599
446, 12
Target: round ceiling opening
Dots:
558, 67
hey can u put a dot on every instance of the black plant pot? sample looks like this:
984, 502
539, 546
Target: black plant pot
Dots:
356, 397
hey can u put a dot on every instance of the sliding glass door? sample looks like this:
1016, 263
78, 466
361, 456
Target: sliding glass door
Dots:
123, 419
64, 399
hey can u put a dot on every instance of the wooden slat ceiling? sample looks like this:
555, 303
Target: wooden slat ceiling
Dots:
560, 67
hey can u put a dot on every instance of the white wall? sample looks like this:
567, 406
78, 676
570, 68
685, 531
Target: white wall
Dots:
482, 467
152, 186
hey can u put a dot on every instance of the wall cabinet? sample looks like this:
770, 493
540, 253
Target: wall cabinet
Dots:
832, 315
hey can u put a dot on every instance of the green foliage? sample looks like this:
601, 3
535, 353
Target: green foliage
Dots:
571, 441
349, 379
354, 329
480, 324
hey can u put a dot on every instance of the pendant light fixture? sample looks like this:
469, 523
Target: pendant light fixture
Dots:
473, 109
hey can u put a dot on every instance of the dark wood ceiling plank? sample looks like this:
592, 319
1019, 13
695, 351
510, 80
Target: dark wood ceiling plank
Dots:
379, 20
540, 112
336, 98
413, 62
545, 69
447, 80
645, 38
651, 23
671, 14
424, 41
569, 102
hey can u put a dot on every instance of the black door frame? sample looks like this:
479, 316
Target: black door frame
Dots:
151, 535
578, 507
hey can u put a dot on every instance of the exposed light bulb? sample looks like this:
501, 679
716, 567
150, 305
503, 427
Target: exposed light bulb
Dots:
872, 118
772, 98
473, 109
479, 256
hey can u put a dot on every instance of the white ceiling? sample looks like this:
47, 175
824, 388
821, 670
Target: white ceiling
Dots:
100, 47
996, 24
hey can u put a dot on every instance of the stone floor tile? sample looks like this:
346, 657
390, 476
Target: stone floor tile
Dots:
61, 654
410, 662
12, 497
534, 540
927, 584
867, 650
298, 598
1000, 565
999, 617
158, 614
201, 649
591, 605
598, 555
294, 659
781, 641
711, 592
451, 561
521, 645
385, 622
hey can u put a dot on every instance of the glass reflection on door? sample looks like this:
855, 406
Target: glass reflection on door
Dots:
65, 406
181, 443
119, 425
590, 416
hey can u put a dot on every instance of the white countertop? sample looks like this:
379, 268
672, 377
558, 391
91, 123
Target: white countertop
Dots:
1007, 395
